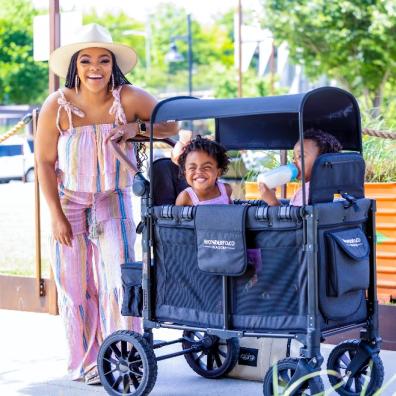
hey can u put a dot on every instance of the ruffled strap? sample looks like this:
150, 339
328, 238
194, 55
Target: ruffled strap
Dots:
116, 108
69, 108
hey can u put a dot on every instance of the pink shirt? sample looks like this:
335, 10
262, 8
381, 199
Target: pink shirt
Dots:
297, 199
221, 199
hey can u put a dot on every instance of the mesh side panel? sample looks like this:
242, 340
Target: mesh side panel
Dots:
180, 282
274, 287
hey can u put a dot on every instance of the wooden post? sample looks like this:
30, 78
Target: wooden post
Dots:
283, 161
53, 85
239, 41
37, 258
54, 23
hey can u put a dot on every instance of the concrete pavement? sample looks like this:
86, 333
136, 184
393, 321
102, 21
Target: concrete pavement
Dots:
33, 362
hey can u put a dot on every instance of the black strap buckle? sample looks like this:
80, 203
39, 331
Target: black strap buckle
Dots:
166, 211
186, 213
262, 213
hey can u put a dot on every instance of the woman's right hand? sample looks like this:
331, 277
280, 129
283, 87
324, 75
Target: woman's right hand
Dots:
61, 230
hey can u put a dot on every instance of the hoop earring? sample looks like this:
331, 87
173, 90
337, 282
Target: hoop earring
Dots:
76, 84
112, 82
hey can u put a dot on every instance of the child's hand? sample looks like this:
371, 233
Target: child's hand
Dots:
184, 138
268, 195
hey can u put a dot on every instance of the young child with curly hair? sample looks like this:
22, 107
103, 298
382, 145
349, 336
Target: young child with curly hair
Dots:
202, 162
316, 142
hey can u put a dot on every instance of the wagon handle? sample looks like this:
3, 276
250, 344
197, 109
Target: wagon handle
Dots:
124, 160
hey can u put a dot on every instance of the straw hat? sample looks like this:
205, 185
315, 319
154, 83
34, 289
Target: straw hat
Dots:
89, 36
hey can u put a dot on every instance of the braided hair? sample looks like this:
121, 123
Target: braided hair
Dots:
210, 147
119, 78
326, 142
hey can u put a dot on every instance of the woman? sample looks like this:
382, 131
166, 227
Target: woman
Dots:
87, 189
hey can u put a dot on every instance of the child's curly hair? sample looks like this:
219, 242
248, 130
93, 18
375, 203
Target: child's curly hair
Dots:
326, 142
210, 147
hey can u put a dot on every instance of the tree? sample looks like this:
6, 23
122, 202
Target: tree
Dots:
351, 41
22, 80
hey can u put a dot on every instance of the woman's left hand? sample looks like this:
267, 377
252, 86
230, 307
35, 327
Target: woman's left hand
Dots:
123, 133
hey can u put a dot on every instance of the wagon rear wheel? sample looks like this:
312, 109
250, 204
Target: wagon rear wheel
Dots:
127, 364
215, 358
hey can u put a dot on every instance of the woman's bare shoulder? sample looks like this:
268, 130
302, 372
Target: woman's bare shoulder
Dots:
50, 105
137, 102
133, 92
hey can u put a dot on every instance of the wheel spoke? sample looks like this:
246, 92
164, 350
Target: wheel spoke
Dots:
135, 381
117, 383
349, 383
111, 371
284, 376
124, 349
132, 353
197, 357
344, 359
110, 360
125, 384
209, 361
137, 373
358, 384
135, 361
115, 349
217, 359
222, 351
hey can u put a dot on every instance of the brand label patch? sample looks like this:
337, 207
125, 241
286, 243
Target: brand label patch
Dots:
248, 357
219, 244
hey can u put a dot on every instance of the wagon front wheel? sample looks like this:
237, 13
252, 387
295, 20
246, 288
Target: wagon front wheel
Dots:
127, 364
350, 374
214, 357
281, 376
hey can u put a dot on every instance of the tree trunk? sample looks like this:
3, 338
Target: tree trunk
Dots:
378, 96
376, 108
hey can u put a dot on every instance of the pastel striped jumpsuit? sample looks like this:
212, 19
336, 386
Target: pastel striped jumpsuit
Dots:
94, 194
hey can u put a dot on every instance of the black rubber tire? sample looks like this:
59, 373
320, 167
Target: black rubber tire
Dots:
220, 358
339, 359
286, 368
127, 364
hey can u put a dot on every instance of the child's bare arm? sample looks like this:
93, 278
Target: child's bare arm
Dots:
229, 191
268, 195
183, 199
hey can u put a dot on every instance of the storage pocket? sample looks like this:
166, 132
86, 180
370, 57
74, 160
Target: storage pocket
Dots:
131, 274
348, 261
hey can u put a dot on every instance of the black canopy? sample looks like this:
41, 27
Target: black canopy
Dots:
271, 122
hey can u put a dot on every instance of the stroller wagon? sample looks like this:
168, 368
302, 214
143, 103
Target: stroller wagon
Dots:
315, 274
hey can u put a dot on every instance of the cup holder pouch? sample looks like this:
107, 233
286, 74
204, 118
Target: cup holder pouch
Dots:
131, 274
347, 261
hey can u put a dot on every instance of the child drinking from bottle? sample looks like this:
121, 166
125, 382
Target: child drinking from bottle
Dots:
316, 142
202, 162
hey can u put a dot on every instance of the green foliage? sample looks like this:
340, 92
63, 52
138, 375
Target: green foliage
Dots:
351, 41
226, 84
22, 80
212, 46
379, 155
